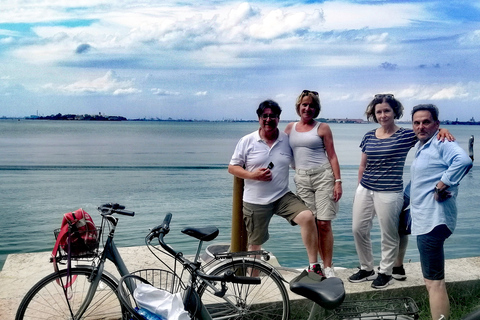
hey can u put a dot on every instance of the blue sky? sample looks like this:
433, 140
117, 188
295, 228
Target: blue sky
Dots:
219, 59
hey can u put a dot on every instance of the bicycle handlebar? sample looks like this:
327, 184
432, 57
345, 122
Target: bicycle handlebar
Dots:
111, 208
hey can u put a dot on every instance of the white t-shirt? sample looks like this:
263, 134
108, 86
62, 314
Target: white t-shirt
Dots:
251, 153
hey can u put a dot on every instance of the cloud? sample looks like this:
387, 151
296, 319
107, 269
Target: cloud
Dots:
161, 92
438, 92
388, 66
201, 93
84, 47
109, 84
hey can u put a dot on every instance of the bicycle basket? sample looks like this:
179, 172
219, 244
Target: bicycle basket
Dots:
79, 248
379, 309
159, 278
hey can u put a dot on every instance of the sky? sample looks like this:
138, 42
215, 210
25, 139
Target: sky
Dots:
217, 60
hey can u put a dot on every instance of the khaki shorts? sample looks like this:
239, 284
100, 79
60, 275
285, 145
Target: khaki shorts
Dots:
257, 217
315, 188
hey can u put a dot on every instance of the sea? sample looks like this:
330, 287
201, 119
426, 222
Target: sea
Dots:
48, 168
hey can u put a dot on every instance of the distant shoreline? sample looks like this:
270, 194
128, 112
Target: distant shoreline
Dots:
71, 117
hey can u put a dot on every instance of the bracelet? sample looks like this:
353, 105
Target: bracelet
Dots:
338, 180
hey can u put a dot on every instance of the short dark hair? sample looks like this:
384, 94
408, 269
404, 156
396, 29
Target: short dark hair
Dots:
269, 104
427, 107
396, 106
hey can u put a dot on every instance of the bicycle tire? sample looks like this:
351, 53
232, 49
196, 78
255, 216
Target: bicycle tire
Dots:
268, 300
46, 299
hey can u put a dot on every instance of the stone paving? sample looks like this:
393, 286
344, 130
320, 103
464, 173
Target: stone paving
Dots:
22, 271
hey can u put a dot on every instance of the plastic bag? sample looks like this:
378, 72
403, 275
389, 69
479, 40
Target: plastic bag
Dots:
160, 302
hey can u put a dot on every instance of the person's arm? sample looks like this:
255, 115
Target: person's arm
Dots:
459, 163
325, 133
289, 127
362, 166
261, 174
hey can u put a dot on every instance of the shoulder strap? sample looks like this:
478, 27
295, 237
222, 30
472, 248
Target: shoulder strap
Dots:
62, 234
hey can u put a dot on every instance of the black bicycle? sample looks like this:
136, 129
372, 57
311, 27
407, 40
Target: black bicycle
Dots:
230, 286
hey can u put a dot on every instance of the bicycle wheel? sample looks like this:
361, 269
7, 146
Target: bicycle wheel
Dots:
47, 300
267, 300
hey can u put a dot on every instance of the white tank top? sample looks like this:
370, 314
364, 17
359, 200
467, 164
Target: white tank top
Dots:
308, 148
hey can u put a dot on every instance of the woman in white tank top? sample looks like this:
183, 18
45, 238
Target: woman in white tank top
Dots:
317, 171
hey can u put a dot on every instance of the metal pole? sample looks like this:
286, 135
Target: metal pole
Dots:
470, 147
239, 234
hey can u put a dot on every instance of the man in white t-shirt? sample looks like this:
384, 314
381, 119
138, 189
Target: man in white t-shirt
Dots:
262, 158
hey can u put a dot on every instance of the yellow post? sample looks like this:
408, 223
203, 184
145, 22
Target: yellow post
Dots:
239, 234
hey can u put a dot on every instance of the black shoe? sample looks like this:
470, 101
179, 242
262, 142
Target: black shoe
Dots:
318, 270
382, 281
398, 273
363, 275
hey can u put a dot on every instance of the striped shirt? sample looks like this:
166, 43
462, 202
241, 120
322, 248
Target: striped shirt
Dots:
386, 159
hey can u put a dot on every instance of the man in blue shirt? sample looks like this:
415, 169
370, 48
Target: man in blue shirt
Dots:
436, 172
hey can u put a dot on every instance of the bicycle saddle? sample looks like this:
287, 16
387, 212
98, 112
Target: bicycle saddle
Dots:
204, 233
328, 293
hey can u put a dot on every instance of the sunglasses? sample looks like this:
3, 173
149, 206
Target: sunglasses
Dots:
271, 116
308, 91
386, 96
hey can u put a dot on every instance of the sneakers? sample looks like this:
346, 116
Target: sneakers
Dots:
363, 275
382, 281
317, 269
329, 272
398, 273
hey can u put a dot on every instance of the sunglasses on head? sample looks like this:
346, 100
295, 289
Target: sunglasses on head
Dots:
270, 115
308, 91
386, 96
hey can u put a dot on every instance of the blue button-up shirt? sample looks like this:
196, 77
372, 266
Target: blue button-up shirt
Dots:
435, 161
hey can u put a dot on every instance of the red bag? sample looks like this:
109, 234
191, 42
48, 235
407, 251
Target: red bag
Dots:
77, 236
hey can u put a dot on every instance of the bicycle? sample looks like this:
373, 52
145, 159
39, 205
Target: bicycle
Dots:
93, 293
231, 286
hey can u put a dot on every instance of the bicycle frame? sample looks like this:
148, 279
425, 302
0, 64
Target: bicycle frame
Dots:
197, 277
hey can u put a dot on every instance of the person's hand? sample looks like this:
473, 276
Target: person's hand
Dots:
442, 195
337, 191
445, 134
262, 174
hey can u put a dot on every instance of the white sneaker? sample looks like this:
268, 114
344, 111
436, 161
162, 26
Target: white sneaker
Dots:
329, 272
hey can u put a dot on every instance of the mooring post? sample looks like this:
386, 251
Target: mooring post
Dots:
470, 147
239, 234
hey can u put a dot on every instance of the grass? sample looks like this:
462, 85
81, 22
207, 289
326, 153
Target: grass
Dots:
464, 298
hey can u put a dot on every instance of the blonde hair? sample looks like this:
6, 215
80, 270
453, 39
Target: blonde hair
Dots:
315, 101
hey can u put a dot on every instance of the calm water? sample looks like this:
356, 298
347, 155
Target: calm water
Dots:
48, 168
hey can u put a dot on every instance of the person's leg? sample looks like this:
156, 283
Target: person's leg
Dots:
292, 208
438, 298
398, 271
325, 241
308, 231
256, 219
432, 260
388, 206
325, 210
362, 219
305, 192
402, 250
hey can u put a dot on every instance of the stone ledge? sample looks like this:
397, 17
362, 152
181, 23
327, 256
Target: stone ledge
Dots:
21, 271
